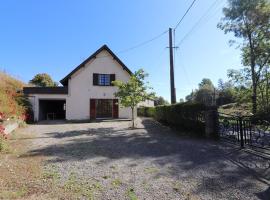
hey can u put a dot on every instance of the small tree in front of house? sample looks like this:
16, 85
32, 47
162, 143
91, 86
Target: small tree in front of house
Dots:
134, 91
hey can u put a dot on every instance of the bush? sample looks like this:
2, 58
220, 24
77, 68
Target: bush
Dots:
146, 111
184, 116
3, 137
12, 103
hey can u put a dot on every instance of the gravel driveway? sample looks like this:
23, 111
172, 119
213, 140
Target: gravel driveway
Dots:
150, 162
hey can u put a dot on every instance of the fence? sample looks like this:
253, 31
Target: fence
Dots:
245, 131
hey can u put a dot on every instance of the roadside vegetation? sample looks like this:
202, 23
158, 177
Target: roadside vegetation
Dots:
248, 88
134, 91
13, 105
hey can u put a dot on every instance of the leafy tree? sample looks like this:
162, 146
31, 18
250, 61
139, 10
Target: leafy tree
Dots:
181, 100
204, 94
158, 101
190, 97
249, 20
43, 80
134, 91
226, 93
206, 82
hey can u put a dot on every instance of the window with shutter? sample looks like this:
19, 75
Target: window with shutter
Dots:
95, 79
112, 78
103, 79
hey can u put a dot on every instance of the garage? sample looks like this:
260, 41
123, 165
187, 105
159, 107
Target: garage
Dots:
52, 109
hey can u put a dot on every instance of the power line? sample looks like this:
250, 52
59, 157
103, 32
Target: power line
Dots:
143, 43
138, 45
185, 14
204, 16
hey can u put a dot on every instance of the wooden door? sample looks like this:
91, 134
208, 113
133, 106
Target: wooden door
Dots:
115, 108
92, 108
104, 108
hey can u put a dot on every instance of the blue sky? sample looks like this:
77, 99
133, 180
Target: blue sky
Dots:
54, 36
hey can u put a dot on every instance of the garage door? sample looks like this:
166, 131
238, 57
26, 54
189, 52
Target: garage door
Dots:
52, 109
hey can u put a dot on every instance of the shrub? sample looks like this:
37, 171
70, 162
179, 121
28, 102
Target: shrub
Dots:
3, 138
146, 111
12, 103
184, 116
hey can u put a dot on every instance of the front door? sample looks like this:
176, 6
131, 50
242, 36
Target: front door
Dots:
104, 108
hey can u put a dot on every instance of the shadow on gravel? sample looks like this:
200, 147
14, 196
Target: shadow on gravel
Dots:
217, 166
264, 194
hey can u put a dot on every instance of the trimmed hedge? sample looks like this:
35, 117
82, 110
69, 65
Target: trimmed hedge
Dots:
183, 116
146, 111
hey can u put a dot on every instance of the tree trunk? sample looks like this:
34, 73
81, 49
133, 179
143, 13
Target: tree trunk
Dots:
133, 123
253, 74
254, 94
267, 94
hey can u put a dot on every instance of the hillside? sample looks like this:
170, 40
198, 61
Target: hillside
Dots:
236, 109
12, 103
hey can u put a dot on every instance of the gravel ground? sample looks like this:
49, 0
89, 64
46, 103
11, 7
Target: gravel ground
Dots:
150, 162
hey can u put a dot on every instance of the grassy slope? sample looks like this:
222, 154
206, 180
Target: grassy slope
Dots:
10, 101
236, 109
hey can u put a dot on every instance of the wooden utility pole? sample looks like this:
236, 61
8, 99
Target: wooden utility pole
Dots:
173, 95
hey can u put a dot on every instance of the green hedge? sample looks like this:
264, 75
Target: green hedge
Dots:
184, 116
146, 111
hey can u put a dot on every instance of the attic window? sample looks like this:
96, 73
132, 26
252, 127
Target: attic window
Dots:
104, 79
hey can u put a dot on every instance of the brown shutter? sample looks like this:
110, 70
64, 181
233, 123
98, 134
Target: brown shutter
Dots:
115, 108
92, 109
95, 79
112, 78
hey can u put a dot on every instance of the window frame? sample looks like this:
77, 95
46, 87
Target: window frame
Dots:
104, 80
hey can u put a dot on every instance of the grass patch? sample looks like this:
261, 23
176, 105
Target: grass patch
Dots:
4, 146
116, 182
81, 189
151, 170
113, 167
131, 194
7, 194
51, 174
177, 186
145, 185
105, 177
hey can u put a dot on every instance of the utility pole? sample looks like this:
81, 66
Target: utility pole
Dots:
173, 95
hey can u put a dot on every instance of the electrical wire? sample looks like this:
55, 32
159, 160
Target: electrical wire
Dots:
138, 45
143, 43
199, 22
183, 17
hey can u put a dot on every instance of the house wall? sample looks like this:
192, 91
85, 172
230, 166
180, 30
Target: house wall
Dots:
147, 103
81, 88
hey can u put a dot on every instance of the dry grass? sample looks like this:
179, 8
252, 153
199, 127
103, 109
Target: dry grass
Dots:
10, 102
18, 177
236, 109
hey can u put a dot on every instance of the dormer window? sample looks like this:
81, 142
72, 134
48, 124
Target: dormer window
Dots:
103, 79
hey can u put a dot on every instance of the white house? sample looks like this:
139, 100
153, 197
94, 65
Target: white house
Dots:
87, 92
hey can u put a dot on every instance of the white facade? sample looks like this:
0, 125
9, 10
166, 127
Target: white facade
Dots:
147, 103
81, 88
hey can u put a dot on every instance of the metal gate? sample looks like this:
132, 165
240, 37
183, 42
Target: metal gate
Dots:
245, 131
